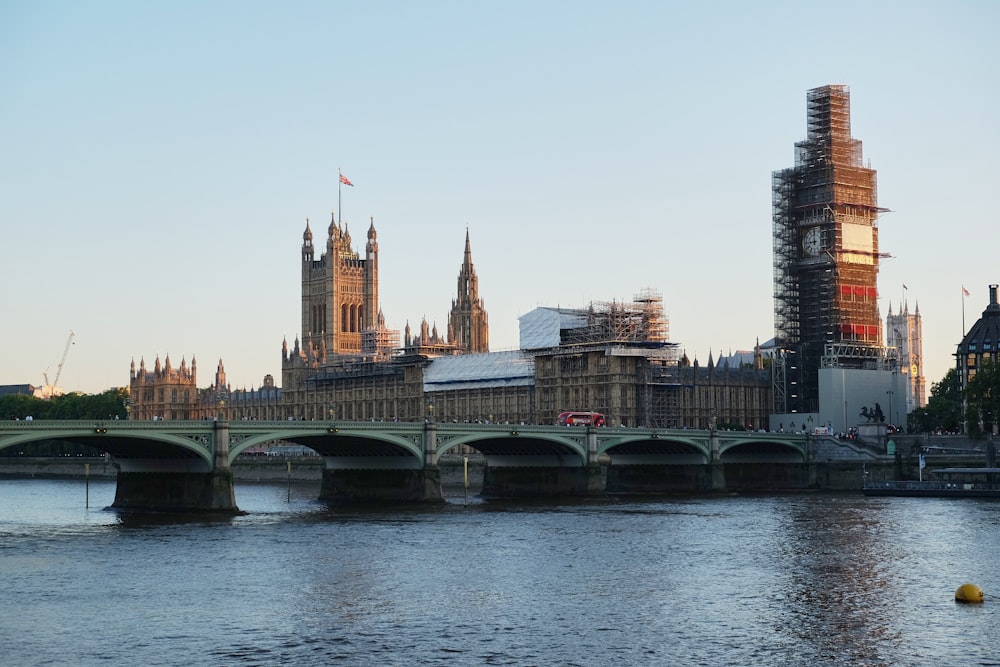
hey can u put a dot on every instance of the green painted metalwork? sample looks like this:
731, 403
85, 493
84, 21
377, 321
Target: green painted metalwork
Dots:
133, 439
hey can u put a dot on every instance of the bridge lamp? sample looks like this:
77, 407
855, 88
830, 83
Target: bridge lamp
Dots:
333, 429
655, 436
100, 429
515, 433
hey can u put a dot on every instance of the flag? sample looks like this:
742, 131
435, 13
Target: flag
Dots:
923, 463
905, 287
965, 291
343, 179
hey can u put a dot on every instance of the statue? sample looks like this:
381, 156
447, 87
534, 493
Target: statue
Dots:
873, 415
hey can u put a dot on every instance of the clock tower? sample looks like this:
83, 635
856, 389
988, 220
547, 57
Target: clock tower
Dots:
825, 240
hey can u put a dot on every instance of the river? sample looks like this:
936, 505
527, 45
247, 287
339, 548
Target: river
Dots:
763, 580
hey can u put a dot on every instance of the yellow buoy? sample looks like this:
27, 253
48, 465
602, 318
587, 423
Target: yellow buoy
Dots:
969, 593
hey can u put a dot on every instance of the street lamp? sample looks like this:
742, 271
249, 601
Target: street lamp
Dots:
890, 406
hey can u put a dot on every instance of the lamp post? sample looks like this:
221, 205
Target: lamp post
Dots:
430, 412
222, 409
890, 406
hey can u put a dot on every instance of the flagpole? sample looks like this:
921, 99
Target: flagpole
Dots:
340, 184
963, 312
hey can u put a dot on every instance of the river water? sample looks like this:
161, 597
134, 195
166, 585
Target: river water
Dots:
770, 580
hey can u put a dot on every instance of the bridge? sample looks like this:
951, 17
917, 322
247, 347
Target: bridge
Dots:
186, 465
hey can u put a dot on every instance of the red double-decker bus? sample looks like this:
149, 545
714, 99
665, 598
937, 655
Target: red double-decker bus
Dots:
581, 419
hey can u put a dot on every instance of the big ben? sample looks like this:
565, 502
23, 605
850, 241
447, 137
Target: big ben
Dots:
826, 255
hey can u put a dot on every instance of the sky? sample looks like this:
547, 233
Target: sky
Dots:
158, 162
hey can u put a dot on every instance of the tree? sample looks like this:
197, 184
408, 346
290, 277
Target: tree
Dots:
943, 410
982, 399
107, 405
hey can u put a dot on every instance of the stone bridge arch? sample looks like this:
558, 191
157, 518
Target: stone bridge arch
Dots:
126, 441
519, 445
652, 447
332, 441
762, 448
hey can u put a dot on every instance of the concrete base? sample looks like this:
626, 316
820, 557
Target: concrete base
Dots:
766, 477
658, 479
714, 478
176, 492
665, 479
538, 482
381, 486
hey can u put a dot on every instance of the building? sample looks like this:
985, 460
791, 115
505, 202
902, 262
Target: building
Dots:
340, 295
904, 331
22, 389
165, 392
347, 364
468, 323
610, 357
826, 258
980, 344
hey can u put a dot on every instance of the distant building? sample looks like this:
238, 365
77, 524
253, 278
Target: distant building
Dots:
468, 323
904, 331
981, 343
165, 392
23, 390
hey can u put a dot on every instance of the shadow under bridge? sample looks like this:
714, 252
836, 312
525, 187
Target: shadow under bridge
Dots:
509, 446
343, 446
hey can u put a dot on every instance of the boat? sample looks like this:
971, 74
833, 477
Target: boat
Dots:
946, 483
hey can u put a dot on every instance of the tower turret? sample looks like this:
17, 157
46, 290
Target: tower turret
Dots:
468, 323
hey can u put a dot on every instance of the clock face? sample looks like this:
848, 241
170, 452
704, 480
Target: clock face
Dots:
811, 242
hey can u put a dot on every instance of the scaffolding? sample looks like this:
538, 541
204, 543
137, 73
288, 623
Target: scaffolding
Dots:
825, 242
639, 322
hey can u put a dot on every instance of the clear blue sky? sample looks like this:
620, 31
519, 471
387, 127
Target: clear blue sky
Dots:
158, 161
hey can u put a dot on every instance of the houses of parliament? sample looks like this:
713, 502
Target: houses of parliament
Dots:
615, 358
610, 357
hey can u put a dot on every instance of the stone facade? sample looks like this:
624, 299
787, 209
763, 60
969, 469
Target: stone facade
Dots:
165, 392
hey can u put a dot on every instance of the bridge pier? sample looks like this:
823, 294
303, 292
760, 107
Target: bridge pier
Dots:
155, 485
176, 492
666, 478
541, 481
383, 485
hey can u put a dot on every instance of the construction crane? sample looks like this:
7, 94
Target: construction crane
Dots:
69, 341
